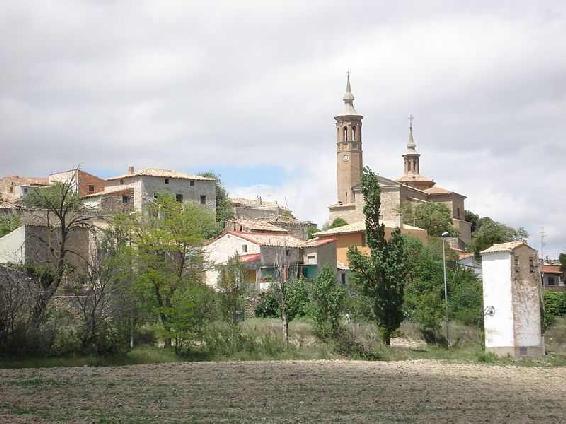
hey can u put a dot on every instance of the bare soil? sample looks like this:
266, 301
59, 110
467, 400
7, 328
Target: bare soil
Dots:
285, 391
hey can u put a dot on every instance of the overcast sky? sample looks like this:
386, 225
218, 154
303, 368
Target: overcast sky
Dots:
249, 89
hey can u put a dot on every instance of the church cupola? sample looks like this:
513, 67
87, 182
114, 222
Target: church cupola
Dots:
348, 148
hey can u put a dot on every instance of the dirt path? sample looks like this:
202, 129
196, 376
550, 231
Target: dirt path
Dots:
294, 391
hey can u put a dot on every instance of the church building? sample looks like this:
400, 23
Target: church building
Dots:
410, 188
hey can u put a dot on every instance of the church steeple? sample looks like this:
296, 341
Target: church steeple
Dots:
348, 147
411, 157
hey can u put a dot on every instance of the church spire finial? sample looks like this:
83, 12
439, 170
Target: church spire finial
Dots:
349, 98
411, 146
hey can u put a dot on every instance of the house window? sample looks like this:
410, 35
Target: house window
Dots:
25, 190
125, 200
192, 183
287, 252
91, 188
244, 248
458, 213
311, 259
343, 278
203, 200
551, 281
166, 180
531, 265
122, 181
364, 239
179, 198
11, 190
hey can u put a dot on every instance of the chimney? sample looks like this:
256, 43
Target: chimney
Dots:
130, 170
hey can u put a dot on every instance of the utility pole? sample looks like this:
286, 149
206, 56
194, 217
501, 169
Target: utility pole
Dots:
444, 235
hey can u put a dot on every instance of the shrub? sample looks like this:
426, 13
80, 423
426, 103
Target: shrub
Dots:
554, 306
268, 305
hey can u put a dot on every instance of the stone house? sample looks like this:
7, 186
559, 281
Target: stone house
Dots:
350, 235
38, 244
83, 182
266, 255
148, 183
15, 188
512, 297
552, 277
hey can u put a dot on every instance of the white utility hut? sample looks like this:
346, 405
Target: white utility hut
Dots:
512, 300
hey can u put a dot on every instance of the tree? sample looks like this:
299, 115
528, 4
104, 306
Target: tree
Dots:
562, 260
490, 232
224, 209
380, 276
9, 223
168, 239
435, 218
327, 303
232, 288
473, 219
338, 222
64, 214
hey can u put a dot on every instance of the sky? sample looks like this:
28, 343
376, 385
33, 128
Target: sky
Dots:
249, 90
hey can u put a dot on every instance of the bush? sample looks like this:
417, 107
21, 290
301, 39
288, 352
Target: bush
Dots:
554, 306
327, 298
268, 305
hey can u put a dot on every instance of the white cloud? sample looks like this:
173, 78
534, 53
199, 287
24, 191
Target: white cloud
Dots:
194, 84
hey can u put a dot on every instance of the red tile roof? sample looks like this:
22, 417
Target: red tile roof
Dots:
551, 269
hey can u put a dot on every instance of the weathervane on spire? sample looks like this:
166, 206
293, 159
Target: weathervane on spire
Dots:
411, 118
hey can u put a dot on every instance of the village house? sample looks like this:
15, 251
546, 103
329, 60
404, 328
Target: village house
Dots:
83, 182
553, 276
512, 300
267, 256
14, 188
146, 184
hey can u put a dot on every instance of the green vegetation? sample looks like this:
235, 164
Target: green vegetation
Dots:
380, 276
224, 209
9, 223
434, 217
487, 232
554, 307
338, 222
327, 303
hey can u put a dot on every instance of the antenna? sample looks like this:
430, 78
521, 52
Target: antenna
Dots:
542, 236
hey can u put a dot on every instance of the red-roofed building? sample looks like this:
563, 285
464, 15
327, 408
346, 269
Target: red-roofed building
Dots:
553, 277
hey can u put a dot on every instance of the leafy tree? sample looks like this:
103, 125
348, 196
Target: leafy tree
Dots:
435, 218
490, 232
232, 288
380, 276
268, 305
224, 209
328, 302
473, 219
297, 298
9, 223
311, 230
64, 213
424, 293
338, 222
168, 239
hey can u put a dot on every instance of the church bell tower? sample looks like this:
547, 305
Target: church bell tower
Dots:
349, 161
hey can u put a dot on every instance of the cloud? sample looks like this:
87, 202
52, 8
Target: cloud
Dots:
190, 85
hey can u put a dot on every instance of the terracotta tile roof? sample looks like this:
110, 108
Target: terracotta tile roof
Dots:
505, 247
319, 242
259, 225
17, 180
252, 257
112, 190
270, 239
551, 269
360, 226
158, 172
437, 190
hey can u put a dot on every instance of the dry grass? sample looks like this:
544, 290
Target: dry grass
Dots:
288, 391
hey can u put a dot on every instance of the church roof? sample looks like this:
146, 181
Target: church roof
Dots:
360, 226
437, 190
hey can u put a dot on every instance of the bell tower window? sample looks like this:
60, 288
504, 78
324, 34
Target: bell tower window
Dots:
345, 133
354, 138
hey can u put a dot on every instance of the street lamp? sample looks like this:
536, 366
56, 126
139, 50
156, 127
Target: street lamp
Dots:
444, 235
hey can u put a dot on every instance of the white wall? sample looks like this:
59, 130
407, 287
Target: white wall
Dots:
12, 246
496, 270
220, 250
